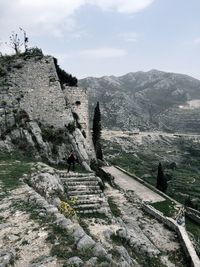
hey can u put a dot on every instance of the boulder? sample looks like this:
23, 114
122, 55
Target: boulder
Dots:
47, 183
74, 262
85, 243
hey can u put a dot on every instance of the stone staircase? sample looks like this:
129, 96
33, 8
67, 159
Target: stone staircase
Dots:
85, 187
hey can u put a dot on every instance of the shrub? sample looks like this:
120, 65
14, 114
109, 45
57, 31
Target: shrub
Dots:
52, 135
34, 52
66, 209
71, 127
64, 77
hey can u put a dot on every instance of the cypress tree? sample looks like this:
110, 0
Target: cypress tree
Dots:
96, 132
161, 179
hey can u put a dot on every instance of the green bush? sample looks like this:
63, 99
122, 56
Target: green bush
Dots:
34, 52
71, 127
52, 135
64, 77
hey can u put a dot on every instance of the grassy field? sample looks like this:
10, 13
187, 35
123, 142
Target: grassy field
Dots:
166, 207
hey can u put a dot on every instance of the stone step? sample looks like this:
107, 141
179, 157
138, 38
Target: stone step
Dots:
90, 211
87, 206
93, 200
90, 197
83, 192
76, 179
77, 183
71, 174
82, 187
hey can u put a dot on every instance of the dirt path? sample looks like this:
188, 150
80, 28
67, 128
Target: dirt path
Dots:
128, 183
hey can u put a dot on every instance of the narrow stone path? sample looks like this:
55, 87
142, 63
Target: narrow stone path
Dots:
127, 182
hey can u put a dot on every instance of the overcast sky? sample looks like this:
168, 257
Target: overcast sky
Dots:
109, 37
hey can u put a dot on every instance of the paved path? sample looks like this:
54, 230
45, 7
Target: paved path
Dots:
127, 182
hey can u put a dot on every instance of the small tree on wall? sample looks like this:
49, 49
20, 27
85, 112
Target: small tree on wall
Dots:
161, 179
15, 41
96, 132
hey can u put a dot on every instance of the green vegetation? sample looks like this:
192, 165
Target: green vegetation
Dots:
52, 135
183, 176
64, 77
5, 60
114, 208
161, 179
71, 127
167, 207
194, 229
96, 132
13, 166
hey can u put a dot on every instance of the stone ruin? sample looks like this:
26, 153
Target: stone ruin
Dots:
38, 115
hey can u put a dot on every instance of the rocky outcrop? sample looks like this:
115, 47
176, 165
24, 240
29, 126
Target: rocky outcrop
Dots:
34, 112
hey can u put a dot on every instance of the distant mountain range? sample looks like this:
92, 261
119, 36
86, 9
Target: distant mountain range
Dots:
153, 100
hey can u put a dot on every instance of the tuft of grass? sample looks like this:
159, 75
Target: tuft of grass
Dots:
114, 208
167, 207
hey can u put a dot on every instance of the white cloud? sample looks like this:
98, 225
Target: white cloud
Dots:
54, 17
39, 17
108, 52
123, 6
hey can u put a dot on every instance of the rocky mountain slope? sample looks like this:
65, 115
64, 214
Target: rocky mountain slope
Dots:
147, 100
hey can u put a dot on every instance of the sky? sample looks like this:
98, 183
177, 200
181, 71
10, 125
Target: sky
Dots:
109, 37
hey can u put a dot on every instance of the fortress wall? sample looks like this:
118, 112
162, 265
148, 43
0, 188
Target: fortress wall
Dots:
77, 98
44, 99
32, 84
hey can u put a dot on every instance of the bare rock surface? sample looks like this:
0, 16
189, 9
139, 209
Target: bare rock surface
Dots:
22, 236
143, 236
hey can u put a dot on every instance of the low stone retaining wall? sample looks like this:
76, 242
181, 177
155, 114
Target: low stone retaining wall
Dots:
181, 232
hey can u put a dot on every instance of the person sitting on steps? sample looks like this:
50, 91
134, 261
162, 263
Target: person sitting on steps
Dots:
71, 161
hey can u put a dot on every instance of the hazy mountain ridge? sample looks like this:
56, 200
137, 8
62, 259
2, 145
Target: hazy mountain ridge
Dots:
146, 100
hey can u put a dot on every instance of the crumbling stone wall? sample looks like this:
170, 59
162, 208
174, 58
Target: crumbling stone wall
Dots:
77, 98
31, 98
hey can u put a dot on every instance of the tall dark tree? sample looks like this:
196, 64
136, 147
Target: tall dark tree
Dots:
161, 179
96, 132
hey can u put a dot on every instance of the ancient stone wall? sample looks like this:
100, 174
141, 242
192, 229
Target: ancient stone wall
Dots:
77, 98
31, 86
